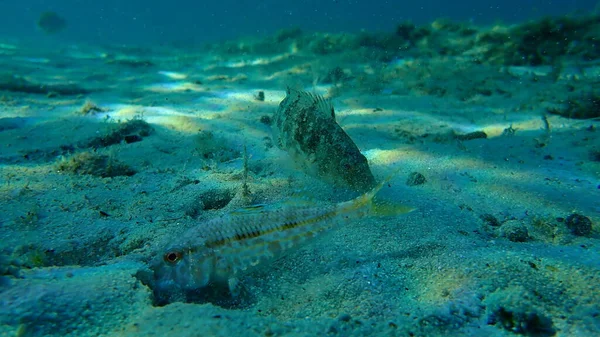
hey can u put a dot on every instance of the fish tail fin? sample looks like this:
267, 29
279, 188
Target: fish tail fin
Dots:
389, 208
380, 206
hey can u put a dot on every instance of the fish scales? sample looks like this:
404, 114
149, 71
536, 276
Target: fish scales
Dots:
270, 234
219, 250
304, 126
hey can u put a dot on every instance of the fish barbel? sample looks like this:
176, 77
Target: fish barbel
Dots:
220, 250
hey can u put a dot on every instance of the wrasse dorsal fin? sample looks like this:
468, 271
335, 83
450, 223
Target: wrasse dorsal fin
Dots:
258, 208
304, 197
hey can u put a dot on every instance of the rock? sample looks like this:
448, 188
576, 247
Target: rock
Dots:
472, 135
122, 132
582, 106
579, 225
514, 231
260, 96
415, 178
514, 310
266, 120
344, 317
304, 126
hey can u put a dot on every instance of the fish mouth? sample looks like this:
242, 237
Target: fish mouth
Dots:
164, 289
167, 291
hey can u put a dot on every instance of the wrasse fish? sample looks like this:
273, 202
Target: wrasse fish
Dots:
221, 249
304, 126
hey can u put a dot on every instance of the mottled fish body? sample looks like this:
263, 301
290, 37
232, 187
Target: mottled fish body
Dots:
304, 126
221, 249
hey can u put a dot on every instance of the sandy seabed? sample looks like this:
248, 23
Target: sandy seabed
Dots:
109, 153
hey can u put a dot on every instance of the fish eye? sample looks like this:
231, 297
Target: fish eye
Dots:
172, 257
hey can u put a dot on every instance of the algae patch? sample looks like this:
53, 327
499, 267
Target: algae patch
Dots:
129, 132
94, 164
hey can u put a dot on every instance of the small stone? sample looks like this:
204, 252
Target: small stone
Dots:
472, 135
415, 178
579, 225
514, 231
260, 96
490, 220
345, 317
132, 139
266, 120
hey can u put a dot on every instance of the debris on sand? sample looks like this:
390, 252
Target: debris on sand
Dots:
51, 22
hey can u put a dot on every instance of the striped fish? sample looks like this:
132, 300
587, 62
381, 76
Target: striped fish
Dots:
222, 249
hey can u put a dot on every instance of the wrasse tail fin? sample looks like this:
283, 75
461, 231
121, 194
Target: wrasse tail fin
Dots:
379, 206
386, 208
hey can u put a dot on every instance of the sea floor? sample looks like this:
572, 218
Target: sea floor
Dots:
107, 153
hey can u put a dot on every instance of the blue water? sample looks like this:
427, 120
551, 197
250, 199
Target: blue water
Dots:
185, 21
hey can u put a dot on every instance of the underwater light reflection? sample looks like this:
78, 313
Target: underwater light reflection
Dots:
174, 87
259, 61
173, 75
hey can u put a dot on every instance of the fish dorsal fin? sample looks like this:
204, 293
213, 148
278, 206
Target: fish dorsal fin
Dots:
258, 208
320, 104
324, 105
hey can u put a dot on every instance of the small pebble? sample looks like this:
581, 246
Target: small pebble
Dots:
345, 317
415, 178
132, 139
472, 135
266, 120
260, 96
